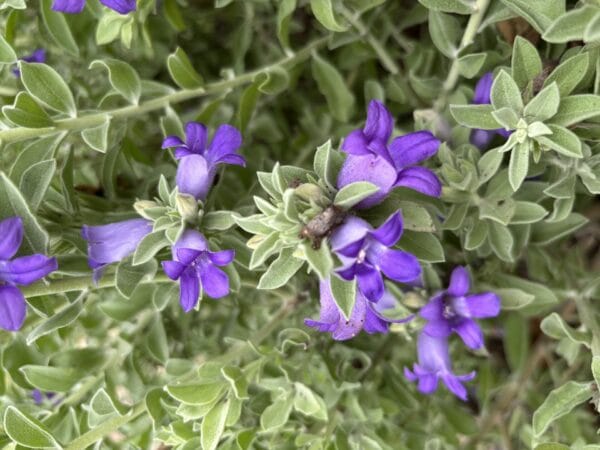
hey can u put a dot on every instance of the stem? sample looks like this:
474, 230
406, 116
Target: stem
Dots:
96, 119
95, 434
78, 284
471, 29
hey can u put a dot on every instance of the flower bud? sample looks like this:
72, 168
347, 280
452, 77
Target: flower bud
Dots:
187, 207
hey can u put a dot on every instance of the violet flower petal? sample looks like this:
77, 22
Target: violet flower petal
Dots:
483, 89
173, 269
215, 282
459, 282
195, 137
221, 258
413, 148
27, 269
68, 6
12, 308
11, 231
390, 231
373, 169
193, 176
120, 6
420, 179
227, 140
370, 282
480, 306
380, 122
172, 141
356, 143
398, 265
470, 333
189, 290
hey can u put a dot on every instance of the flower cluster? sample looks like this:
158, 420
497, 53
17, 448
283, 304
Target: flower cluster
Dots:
19, 271
451, 310
193, 264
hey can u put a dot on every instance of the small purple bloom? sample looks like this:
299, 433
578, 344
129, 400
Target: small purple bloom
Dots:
76, 6
23, 270
365, 316
38, 56
112, 242
366, 252
482, 138
195, 266
454, 310
370, 159
434, 363
198, 162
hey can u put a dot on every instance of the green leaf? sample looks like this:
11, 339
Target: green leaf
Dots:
539, 13
445, 31
237, 381
545, 104
52, 379
182, 71
562, 141
516, 341
323, 11
268, 246
25, 112
470, 65
569, 73
12, 203
156, 340
276, 415
592, 31
501, 240
196, 393
309, 403
507, 118
61, 319
331, 84
27, 431
149, 246
281, 270
488, 165
327, 164
449, 6
129, 276
58, 28
218, 220
273, 81
247, 105
344, 294
110, 25
505, 93
513, 299
543, 296
213, 425
354, 193
577, 108
560, 402
425, 246
526, 63
570, 26
518, 165
476, 235
123, 78
596, 369
319, 260
97, 137
555, 327
7, 54
284, 16
475, 116
35, 181
47, 86
527, 212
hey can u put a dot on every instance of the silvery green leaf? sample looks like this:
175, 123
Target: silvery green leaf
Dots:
501, 240
569, 73
309, 403
475, 116
518, 165
47, 86
476, 235
570, 26
27, 113
52, 379
526, 63
267, 247
281, 270
264, 206
450, 6
488, 165
538, 13
123, 78
331, 84
536, 129
218, 220
277, 414
149, 246
27, 431
470, 65
560, 402
506, 117
266, 181
456, 216
274, 81
253, 224
555, 327
354, 193
35, 181
596, 369
344, 294
97, 137
561, 209
505, 93
58, 28
110, 26
544, 233
545, 104
284, 13
7, 54
562, 141
202, 393
319, 260
237, 380
528, 212
513, 299
577, 108
445, 32
327, 164
182, 71
289, 206
592, 31
61, 319
156, 341
324, 12
425, 246
500, 211
129, 276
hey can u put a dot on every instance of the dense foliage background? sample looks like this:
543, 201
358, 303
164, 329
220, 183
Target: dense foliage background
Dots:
118, 364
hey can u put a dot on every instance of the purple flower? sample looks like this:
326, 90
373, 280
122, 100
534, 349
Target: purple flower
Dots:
23, 270
38, 56
195, 266
454, 310
370, 159
76, 6
112, 242
365, 316
434, 363
483, 89
198, 162
366, 252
